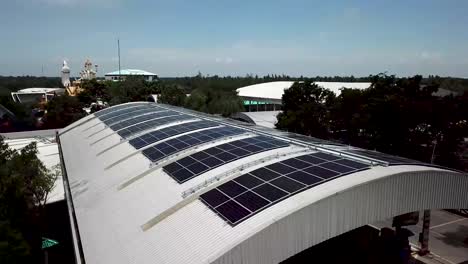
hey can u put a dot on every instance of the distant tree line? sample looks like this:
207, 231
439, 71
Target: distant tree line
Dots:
399, 116
211, 94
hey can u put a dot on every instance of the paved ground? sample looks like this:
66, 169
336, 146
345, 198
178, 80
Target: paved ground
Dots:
448, 240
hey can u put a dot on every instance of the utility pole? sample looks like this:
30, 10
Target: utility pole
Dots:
424, 235
118, 47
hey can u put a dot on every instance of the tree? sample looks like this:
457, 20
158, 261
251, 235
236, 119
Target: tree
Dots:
172, 95
131, 89
24, 185
93, 90
62, 111
215, 100
306, 109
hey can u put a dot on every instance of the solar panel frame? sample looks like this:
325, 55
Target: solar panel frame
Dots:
131, 113
115, 108
149, 115
226, 153
191, 140
273, 189
137, 128
386, 158
160, 134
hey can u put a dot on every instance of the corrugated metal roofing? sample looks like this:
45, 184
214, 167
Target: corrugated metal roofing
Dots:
129, 210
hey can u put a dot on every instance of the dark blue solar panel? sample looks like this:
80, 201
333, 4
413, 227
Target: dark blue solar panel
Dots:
392, 160
152, 114
167, 148
116, 108
248, 194
130, 113
155, 136
130, 131
222, 154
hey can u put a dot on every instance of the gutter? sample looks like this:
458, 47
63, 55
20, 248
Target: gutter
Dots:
79, 255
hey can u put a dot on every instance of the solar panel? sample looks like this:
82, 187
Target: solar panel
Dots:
392, 160
250, 193
131, 130
211, 158
129, 113
116, 108
152, 114
155, 136
174, 145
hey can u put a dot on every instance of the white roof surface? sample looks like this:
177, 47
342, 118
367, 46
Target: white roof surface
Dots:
263, 118
47, 153
275, 90
130, 72
40, 90
128, 210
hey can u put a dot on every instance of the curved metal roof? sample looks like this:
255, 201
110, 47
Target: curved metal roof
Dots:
275, 90
153, 183
131, 72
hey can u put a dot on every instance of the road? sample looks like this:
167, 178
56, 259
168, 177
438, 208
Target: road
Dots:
448, 241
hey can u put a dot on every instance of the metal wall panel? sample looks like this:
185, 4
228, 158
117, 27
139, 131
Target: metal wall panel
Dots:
350, 209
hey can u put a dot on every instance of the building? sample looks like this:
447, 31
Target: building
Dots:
267, 96
152, 183
35, 95
122, 74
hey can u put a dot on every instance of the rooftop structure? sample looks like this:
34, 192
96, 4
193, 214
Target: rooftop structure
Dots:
267, 96
33, 95
47, 153
261, 118
152, 183
117, 75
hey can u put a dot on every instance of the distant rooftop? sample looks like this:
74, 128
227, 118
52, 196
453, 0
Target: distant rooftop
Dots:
131, 72
40, 90
275, 90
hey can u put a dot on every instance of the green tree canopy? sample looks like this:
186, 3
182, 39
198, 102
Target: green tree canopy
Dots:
62, 111
131, 89
215, 101
172, 95
24, 185
306, 109
399, 116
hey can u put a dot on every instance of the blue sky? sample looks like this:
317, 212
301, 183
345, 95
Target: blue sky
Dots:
180, 38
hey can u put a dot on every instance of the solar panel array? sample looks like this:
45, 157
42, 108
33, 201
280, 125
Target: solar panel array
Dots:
155, 136
152, 114
131, 130
191, 166
392, 160
174, 145
114, 109
129, 113
246, 195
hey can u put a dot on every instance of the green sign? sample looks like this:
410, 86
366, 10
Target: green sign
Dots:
250, 102
47, 243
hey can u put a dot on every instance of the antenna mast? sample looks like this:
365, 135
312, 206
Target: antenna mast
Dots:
118, 47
